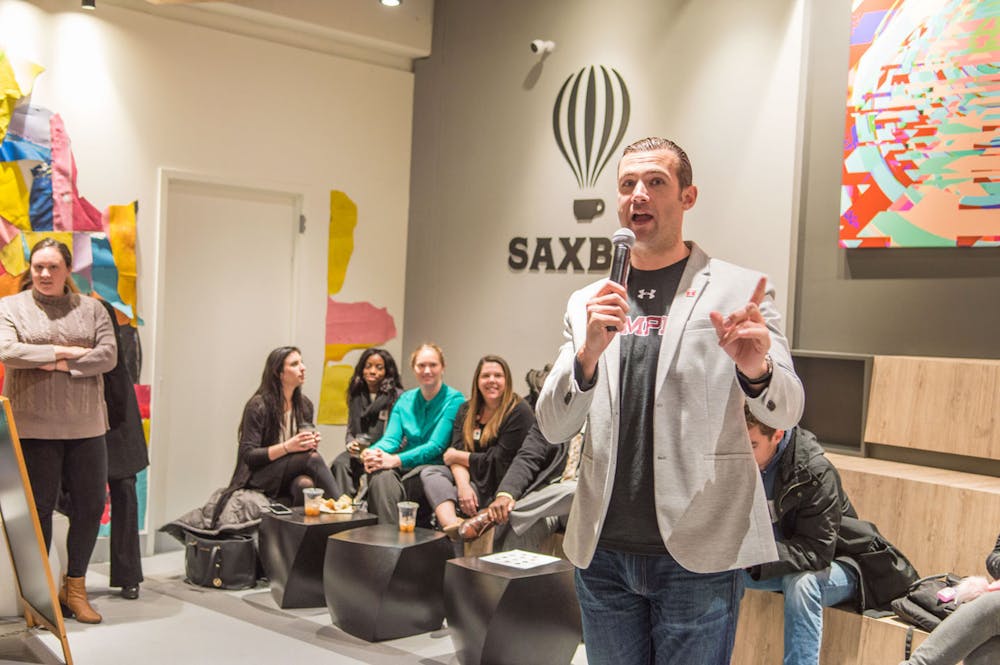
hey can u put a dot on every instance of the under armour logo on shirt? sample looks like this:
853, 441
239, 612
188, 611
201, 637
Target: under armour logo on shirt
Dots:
643, 293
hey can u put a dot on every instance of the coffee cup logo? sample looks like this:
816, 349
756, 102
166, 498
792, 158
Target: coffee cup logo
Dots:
589, 121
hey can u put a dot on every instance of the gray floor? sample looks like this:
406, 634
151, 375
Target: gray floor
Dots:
173, 622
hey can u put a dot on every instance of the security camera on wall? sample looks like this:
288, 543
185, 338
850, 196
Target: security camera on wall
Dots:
542, 46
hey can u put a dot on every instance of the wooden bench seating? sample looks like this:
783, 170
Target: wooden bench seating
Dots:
848, 638
943, 520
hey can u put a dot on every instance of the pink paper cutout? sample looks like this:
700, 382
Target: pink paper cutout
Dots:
7, 231
358, 323
70, 211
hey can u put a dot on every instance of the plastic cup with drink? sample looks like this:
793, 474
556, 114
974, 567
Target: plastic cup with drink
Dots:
407, 516
313, 498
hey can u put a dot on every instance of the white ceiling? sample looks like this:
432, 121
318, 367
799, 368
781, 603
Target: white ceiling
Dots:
359, 29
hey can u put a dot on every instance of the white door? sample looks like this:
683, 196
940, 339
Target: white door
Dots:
228, 299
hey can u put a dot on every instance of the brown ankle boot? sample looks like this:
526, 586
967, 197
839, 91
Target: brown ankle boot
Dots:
74, 596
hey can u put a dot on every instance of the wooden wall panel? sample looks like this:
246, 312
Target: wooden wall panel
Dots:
946, 405
944, 521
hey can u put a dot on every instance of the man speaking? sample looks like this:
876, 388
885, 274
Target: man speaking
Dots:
669, 507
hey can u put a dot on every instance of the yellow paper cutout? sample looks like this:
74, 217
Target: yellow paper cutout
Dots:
338, 351
12, 257
14, 195
343, 219
121, 234
32, 238
333, 394
10, 92
26, 73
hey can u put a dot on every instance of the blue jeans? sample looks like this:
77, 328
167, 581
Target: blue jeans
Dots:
639, 610
806, 594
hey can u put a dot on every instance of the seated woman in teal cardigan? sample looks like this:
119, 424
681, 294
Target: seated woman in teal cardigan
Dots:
418, 432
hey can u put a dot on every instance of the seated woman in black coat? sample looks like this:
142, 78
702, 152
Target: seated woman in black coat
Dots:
278, 440
370, 395
489, 430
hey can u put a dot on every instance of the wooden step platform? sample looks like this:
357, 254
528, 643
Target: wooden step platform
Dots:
944, 521
848, 638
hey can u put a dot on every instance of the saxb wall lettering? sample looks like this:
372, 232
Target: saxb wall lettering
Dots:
568, 255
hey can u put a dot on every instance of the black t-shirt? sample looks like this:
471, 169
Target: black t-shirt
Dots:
630, 525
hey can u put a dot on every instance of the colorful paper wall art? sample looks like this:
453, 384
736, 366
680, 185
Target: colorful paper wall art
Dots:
39, 198
922, 136
142, 393
349, 326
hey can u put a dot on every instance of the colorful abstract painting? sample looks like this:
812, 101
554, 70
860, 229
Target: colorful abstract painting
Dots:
922, 137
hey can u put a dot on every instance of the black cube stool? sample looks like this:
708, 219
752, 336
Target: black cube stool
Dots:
292, 549
501, 615
382, 584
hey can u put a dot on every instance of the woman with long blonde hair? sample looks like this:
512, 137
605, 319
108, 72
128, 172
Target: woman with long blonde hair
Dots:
489, 430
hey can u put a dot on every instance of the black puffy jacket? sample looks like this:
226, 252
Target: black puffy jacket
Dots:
809, 502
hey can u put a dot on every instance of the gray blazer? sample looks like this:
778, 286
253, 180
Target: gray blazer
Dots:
710, 503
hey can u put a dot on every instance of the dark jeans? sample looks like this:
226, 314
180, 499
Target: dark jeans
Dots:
83, 465
641, 610
126, 562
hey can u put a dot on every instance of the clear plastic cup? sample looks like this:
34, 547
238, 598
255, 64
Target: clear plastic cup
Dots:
407, 516
313, 498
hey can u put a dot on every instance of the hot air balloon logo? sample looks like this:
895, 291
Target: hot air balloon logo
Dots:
589, 120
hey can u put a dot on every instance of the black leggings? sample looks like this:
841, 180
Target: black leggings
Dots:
295, 472
82, 464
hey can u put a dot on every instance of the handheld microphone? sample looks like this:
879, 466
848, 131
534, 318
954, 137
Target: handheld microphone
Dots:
621, 260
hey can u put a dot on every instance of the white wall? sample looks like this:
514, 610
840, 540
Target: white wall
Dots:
139, 93
721, 77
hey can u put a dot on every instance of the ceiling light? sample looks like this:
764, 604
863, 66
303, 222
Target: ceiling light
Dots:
391, 3
88, 4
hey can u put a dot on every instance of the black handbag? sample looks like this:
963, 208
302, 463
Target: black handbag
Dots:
921, 607
221, 562
885, 572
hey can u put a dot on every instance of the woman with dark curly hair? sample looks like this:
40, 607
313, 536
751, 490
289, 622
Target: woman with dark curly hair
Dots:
278, 440
370, 396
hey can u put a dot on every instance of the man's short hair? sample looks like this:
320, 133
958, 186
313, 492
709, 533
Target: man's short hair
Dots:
752, 421
685, 175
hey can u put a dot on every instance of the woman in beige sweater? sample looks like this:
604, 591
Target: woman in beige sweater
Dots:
56, 345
